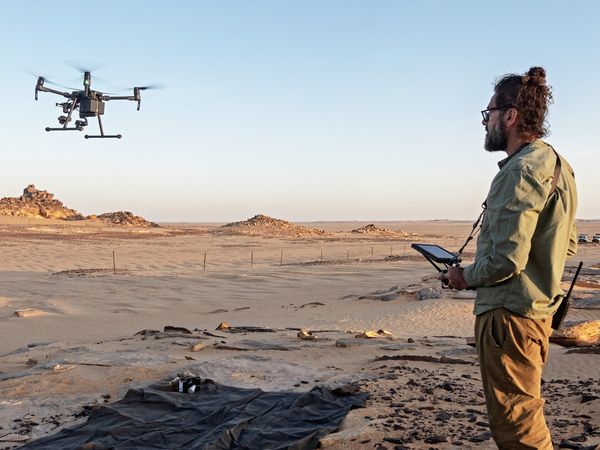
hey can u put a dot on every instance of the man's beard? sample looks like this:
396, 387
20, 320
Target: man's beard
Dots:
495, 139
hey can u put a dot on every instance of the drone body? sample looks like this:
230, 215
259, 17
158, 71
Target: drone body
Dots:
88, 103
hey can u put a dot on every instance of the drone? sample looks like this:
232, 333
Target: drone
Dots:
90, 103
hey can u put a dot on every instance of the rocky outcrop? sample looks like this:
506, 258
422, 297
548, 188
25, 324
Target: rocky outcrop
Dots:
267, 226
124, 218
372, 229
367, 229
37, 204
581, 333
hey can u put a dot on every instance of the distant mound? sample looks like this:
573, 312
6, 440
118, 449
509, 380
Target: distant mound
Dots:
372, 229
124, 218
261, 225
36, 204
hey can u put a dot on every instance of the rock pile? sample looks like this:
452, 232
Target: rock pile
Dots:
265, 225
37, 204
372, 229
124, 218
582, 333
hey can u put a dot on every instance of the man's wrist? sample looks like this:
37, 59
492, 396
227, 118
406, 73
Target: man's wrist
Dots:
468, 275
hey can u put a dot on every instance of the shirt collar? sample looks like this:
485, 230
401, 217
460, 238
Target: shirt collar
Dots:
503, 162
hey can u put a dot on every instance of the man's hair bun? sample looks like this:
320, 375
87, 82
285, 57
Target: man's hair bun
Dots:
536, 75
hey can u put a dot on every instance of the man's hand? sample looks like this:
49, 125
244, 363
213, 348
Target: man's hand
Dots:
455, 278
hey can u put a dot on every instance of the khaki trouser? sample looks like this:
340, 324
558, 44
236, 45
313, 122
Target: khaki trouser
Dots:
512, 350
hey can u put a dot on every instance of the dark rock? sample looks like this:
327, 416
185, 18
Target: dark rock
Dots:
482, 437
443, 416
436, 439
585, 398
567, 443
428, 293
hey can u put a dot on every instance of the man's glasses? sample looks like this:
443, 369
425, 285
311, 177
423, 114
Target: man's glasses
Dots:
486, 112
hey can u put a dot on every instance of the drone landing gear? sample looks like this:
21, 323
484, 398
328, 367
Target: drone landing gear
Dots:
63, 129
64, 120
102, 135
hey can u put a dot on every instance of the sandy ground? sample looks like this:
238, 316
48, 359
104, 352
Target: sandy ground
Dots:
69, 318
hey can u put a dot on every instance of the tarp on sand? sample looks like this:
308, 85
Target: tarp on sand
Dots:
215, 417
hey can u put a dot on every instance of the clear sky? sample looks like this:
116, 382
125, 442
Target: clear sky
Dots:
301, 110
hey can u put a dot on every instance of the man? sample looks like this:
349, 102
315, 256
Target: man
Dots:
527, 232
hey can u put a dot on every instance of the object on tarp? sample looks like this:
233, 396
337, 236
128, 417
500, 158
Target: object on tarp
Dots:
214, 417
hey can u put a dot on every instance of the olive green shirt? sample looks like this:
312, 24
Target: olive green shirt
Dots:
526, 235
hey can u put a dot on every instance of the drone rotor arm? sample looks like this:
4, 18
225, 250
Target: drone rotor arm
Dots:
43, 88
106, 98
133, 98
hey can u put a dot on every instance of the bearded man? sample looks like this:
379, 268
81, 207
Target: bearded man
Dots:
526, 234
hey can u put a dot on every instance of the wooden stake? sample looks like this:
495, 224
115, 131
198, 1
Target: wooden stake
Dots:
114, 264
251, 259
204, 261
281, 259
321, 255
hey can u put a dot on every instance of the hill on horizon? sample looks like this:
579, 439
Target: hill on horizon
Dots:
262, 225
37, 204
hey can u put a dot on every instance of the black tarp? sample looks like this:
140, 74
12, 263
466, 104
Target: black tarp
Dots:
215, 417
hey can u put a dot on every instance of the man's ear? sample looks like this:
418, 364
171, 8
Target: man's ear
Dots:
511, 115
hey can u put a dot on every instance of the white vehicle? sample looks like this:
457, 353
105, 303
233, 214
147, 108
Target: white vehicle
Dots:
584, 238
596, 237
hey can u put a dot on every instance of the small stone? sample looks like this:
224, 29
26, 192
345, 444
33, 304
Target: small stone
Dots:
428, 294
13, 437
585, 398
436, 439
482, 437
198, 346
443, 416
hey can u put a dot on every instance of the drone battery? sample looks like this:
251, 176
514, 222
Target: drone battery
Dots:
90, 108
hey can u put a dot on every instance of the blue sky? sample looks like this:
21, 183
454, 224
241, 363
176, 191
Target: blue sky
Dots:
302, 110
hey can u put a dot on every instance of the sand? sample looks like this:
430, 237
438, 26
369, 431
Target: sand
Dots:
69, 318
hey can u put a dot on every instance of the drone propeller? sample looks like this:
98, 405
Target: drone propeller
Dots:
152, 86
47, 81
147, 87
87, 70
83, 68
